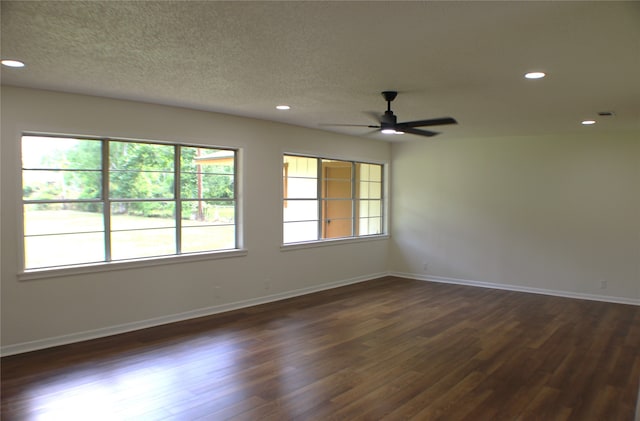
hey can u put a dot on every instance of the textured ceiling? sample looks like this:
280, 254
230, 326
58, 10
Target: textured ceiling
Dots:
330, 60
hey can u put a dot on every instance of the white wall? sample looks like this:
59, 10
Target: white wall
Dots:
546, 213
551, 213
41, 312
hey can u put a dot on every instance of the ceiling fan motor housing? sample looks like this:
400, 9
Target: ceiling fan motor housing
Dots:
388, 119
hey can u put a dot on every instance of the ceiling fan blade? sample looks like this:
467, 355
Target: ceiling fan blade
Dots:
371, 132
430, 122
373, 115
418, 132
350, 125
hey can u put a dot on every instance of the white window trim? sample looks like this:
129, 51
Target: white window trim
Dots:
62, 271
333, 242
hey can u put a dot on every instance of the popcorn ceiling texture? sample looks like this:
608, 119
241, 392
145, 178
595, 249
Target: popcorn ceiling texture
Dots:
330, 60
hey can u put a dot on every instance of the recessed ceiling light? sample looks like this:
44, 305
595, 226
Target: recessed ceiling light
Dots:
283, 107
588, 122
12, 63
535, 75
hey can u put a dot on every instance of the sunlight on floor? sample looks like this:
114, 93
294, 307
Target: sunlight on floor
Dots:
102, 398
140, 387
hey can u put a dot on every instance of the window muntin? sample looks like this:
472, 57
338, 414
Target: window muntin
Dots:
97, 200
328, 198
369, 199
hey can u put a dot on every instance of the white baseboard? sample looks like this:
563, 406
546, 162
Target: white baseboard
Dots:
518, 288
157, 321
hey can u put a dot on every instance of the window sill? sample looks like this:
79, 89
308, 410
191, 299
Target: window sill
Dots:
333, 242
127, 264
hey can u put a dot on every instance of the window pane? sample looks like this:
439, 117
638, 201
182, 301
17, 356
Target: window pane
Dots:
66, 249
298, 166
370, 208
326, 161
295, 232
61, 185
206, 186
61, 153
363, 190
60, 168
300, 210
140, 185
211, 161
370, 190
363, 171
204, 213
143, 243
207, 238
301, 188
337, 170
336, 182
370, 226
370, 172
53, 219
132, 156
375, 173
337, 189
141, 215
337, 228
140, 170
337, 209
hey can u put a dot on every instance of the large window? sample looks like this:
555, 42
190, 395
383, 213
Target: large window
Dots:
327, 198
96, 200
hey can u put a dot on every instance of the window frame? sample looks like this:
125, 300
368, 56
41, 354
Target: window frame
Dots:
355, 200
108, 264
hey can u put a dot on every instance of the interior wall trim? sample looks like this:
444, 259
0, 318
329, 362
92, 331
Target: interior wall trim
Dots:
518, 288
157, 321
207, 311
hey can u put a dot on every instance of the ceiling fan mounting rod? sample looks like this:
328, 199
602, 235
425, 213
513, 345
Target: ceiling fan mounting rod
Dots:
389, 96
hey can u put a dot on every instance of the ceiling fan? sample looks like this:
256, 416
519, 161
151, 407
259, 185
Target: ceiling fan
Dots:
389, 121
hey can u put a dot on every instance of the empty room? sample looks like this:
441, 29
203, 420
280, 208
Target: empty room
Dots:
368, 210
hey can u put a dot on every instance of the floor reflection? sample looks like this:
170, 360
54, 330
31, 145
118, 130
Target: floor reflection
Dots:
147, 385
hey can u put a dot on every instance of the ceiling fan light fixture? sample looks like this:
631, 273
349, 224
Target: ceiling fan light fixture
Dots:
391, 131
12, 63
535, 75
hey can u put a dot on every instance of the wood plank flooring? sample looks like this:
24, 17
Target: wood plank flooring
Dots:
388, 349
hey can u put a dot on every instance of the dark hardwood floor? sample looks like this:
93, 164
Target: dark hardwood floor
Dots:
390, 349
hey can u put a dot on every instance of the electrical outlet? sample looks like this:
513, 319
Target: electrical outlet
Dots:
603, 284
267, 284
425, 267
